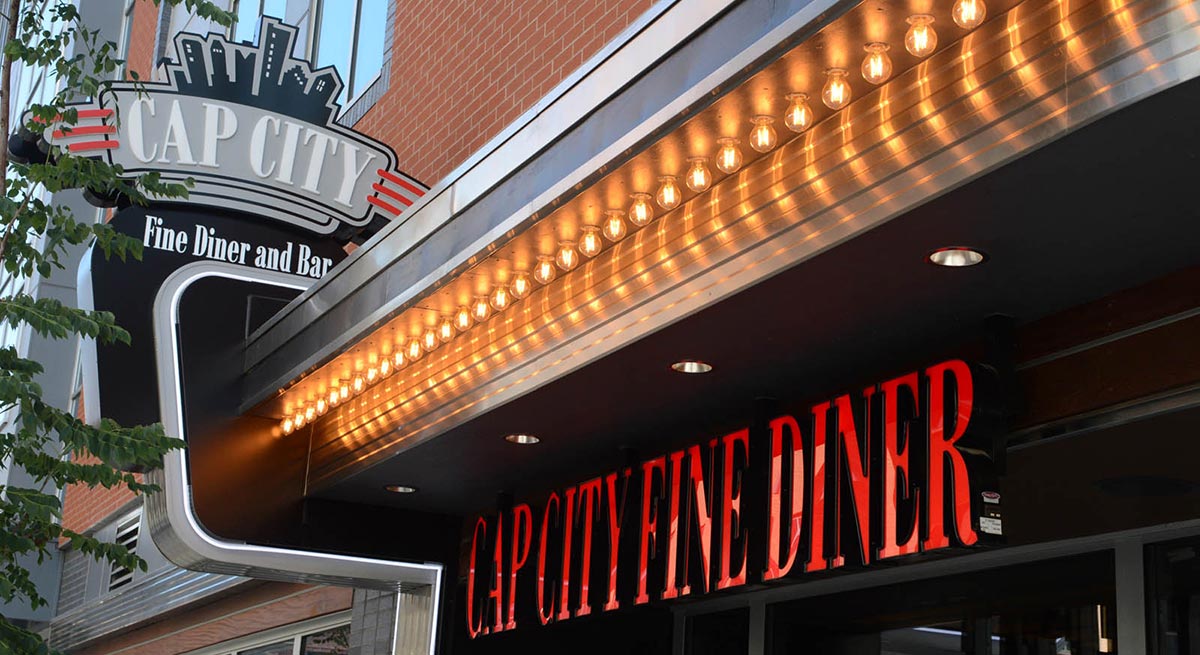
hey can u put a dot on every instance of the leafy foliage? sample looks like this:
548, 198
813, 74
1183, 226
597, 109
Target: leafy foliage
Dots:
50, 444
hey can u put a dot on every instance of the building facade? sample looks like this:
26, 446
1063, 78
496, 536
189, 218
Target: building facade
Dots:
718, 327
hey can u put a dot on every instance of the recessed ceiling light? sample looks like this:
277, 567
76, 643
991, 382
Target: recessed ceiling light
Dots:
691, 366
400, 489
956, 257
522, 439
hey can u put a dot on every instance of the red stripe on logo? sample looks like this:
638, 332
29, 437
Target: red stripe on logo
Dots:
93, 145
80, 130
95, 113
399, 180
383, 205
391, 194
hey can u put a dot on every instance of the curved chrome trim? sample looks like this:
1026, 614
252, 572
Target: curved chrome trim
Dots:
170, 514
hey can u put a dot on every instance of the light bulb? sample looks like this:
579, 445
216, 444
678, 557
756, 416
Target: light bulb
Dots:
288, 427
462, 319
298, 420
920, 40
334, 397
344, 392
968, 14
372, 375
763, 136
322, 406
385, 367
799, 114
668, 192
698, 176
544, 272
641, 211
729, 157
836, 93
567, 258
414, 350
614, 225
480, 309
520, 286
590, 243
445, 330
429, 340
358, 384
500, 298
398, 358
877, 65
310, 413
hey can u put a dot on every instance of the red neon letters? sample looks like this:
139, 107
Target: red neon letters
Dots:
694, 528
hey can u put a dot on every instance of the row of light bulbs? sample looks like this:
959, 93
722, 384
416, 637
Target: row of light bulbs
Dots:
920, 40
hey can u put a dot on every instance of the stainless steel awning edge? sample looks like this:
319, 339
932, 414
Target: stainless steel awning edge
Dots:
353, 299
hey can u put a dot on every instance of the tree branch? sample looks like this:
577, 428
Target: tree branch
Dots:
14, 9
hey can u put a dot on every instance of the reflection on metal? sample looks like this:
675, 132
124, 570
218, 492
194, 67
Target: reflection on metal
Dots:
176, 530
1017, 82
161, 592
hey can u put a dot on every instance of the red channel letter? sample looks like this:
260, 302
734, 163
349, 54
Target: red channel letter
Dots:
816, 543
615, 514
774, 569
522, 524
897, 479
474, 627
858, 464
544, 616
589, 497
496, 593
649, 525
942, 448
731, 509
564, 612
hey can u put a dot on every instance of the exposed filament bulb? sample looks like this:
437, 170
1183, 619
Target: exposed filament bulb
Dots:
545, 271
698, 176
836, 93
614, 225
669, 194
799, 115
920, 40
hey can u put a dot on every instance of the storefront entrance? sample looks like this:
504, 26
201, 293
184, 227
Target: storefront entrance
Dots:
1054, 607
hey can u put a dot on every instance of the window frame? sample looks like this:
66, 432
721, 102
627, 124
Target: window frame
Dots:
293, 631
348, 83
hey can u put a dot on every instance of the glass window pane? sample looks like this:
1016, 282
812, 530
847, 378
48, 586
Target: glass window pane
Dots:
368, 58
334, 38
277, 648
246, 26
334, 641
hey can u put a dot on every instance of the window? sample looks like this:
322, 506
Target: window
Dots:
126, 34
250, 13
325, 635
127, 536
350, 36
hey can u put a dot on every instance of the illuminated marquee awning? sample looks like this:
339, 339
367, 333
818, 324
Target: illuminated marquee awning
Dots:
395, 351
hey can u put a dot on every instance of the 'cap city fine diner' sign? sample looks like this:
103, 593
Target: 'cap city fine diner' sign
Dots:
253, 127
898, 469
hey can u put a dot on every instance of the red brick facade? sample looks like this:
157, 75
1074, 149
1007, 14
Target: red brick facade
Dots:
460, 72
142, 38
463, 70
256, 609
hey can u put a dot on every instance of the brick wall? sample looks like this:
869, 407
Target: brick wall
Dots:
84, 507
141, 38
254, 610
462, 70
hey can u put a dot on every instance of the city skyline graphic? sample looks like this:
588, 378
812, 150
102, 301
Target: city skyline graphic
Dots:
215, 67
